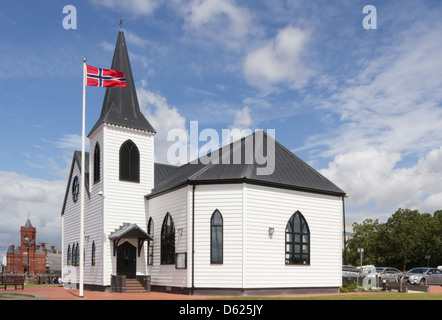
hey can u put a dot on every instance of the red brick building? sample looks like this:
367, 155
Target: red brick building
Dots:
17, 257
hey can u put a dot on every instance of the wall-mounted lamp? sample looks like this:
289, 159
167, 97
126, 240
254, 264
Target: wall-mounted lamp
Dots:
180, 231
271, 231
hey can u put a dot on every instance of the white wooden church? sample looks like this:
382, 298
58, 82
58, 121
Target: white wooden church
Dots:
198, 228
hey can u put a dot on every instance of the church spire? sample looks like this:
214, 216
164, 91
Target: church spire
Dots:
120, 105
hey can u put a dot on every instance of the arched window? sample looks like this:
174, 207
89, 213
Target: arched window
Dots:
129, 162
69, 257
168, 240
75, 189
297, 240
75, 256
93, 254
150, 242
97, 163
216, 237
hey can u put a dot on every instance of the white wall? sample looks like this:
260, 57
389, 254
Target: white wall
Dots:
251, 258
176, 203
124, 201
227, 198
265, 257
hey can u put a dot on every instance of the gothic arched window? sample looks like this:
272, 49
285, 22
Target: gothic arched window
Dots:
150, 242
97, 163
297, 240
168, 240
75, 189
216, 237
69, 257
129, 162
93, 254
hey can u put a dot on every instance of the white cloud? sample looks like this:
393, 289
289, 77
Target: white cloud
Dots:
71, 142
243, 120
377, 176
383, 119
134, 39
394, 101
162, 117
219, 21
279, 61
20, 194
135, 7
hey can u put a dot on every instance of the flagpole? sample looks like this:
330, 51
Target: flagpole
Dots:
83, 177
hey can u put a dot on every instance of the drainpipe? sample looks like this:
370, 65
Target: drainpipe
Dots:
193, 238
345, 235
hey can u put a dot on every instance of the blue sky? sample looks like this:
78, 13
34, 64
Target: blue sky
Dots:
361, 106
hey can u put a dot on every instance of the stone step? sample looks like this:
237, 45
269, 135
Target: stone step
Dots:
134, 286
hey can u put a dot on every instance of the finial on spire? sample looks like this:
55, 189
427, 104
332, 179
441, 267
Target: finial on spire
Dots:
121, 23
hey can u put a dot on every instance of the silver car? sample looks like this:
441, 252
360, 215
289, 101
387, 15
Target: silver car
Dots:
424, 276
388, 273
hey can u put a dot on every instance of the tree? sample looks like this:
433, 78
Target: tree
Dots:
365, 236
402, 242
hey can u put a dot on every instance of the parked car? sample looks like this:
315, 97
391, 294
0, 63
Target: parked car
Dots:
388, 273
349, 271
424, 276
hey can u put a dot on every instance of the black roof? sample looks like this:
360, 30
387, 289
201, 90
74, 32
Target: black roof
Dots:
129, 230
289, 170
161, 170
120, 105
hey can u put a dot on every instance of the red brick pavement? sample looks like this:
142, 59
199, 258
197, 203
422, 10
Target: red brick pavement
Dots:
60, 293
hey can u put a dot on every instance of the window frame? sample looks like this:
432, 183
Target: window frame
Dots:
93, 254
69, 257
220, 244
129, 162
293, 235
97, 163
168, 241
75, 189
150, 231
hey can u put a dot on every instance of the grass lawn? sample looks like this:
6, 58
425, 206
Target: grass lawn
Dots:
356, 296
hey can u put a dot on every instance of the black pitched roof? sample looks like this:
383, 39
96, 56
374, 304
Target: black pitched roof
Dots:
120, 105
289, 170
129, 230
161, 170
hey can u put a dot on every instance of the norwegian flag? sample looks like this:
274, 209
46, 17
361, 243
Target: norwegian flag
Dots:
98, 77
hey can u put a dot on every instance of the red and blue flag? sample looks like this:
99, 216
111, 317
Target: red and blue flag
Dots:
98, 77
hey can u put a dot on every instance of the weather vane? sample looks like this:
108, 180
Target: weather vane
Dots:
121, 23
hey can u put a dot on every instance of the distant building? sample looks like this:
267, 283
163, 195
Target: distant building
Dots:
17, 256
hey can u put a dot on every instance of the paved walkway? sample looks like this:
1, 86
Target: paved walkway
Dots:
60, 293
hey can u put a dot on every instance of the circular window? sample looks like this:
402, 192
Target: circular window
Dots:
75, 189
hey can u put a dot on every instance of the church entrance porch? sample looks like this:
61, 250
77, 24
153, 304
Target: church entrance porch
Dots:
127, 260
128, 241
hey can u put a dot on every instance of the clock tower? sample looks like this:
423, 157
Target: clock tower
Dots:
28, 233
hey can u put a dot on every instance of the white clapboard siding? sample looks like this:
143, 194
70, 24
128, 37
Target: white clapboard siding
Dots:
227, 198
93, 218
124, 201
265, 264
176, 204
71, 228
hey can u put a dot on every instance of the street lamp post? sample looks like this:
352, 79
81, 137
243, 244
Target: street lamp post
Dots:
361, 250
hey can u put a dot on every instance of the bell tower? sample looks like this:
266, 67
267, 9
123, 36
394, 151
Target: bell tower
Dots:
28, 236
121, 158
